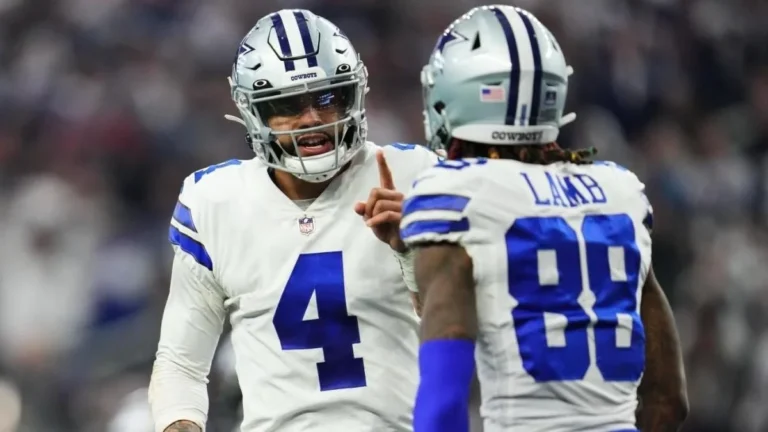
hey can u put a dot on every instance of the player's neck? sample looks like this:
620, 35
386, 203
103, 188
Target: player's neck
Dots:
297, 189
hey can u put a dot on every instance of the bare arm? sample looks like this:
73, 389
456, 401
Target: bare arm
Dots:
447, 287
448, 330
192, 323
662, 392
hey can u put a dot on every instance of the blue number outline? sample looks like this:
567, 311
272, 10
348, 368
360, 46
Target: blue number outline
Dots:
403, 147
524, 239
334, 330
199, 174
459, 164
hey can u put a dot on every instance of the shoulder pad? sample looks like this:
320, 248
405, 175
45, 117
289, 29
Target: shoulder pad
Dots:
215, 182
407, 161
634, 182
631, 177
184, 231
208, 172
415, 152
436, 207
611, 164
453, 172
619, 169
403, 146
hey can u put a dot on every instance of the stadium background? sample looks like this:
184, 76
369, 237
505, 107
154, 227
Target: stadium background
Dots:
105, 105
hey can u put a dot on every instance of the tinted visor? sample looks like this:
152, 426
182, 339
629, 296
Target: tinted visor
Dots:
336, 100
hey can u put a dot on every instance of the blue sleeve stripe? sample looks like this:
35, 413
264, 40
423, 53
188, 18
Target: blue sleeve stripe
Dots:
434, 227
183, 215
446, 202
190, 246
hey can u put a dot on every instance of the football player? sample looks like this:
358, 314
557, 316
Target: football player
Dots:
323, 331
534, 262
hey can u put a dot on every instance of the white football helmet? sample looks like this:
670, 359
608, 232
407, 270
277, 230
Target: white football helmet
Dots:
291, 61
496, 76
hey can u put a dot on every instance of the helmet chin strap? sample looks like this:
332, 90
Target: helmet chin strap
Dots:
229, 116
567, 119
312, 163
306, 164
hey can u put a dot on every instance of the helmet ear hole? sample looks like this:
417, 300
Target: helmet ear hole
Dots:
476, 43
261, 84
439, 106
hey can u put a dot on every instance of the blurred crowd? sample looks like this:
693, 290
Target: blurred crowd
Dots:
106, 105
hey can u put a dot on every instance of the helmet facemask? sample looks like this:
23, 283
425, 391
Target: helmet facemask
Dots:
336, 102
436, 123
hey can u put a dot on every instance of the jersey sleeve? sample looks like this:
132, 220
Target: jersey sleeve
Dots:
635, 184
437, 208
183, 232
191, 325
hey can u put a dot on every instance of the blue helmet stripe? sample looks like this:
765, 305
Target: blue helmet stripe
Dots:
537, 70
306, 38
282, 38
514, 73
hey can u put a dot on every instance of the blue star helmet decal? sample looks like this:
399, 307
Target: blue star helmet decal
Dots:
244, 49
340, 33
449, 36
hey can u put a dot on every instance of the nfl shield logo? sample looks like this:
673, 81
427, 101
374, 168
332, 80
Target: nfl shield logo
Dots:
306, 225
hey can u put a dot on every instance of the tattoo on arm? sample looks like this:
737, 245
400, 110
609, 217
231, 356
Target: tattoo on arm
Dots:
446, 283
662, 391
183, 426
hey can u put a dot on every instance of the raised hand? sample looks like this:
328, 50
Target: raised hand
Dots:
383, 210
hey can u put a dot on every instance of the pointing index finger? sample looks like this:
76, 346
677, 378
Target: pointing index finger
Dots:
385, 175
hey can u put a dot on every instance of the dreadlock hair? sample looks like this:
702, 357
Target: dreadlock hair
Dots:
541, 154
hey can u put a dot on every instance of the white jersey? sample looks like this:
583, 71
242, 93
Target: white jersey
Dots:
560, 255
323, 329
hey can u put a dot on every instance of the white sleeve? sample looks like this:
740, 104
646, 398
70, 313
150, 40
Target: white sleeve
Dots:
192, 323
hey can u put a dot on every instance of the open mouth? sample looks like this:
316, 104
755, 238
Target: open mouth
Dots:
314, 144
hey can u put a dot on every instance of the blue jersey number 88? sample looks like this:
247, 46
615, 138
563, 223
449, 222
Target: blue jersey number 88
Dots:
617, 358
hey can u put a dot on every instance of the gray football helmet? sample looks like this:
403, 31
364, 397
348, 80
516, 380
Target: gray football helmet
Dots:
292, 60
496, 76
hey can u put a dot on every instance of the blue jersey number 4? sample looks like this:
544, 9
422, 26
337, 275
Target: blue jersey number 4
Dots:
334, 330
551, 323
